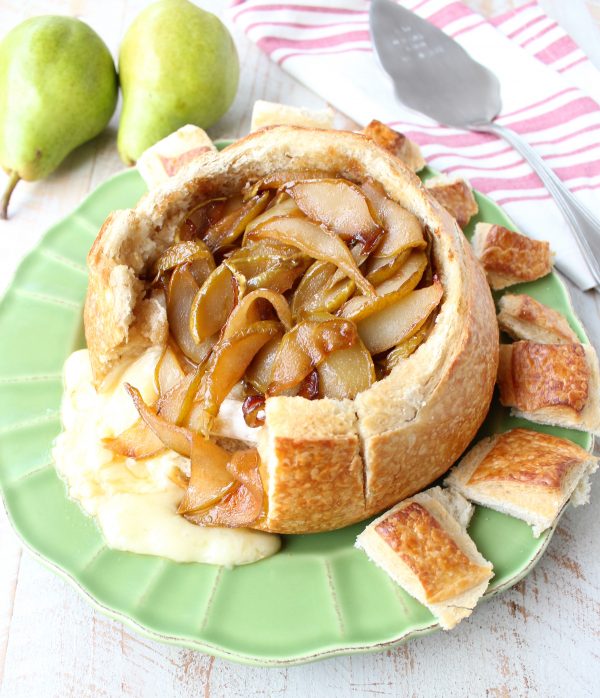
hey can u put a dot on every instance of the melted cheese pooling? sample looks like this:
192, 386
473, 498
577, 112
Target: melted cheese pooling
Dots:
135, 502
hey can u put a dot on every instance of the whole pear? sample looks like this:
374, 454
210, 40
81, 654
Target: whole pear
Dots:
58, 89
177, 65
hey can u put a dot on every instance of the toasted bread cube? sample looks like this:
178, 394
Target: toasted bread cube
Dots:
423, 545
551, 383
508, 257
456, 196
525, 474
165, 158
274, 114
396, 143
522, 317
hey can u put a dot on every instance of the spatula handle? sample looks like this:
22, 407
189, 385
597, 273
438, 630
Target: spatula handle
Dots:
585, 226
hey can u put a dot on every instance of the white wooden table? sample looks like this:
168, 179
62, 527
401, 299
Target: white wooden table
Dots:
540, 638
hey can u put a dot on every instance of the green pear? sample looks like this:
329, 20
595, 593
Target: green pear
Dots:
58, 89
177, 65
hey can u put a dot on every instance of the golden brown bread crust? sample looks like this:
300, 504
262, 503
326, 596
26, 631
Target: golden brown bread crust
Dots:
528, 457
509, 257
428, 407
312, 464
534, 376
430, 552
522, 317
456, 196
524, 473
411, 426
395, 143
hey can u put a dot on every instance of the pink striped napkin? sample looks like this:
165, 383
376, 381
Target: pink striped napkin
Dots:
549, 89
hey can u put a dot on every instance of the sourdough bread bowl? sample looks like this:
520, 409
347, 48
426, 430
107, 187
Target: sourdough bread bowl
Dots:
324, 463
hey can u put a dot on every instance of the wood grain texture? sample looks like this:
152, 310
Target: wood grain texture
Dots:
541, 638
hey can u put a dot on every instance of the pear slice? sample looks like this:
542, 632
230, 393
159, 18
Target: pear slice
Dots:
168, 372
320, 289
210, 480
260, 370
347, 372
389, 291
138, 441
214, 302
227, 365
248, 311
180, 253
254, 259
244, 503
378, 269
178, 439
228, 229
407, 347
402, 228
282, 274
338, 204
304, 347
316, 241
388, 327
181, 293
282, 206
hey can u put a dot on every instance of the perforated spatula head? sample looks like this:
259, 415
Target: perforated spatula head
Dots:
431, 72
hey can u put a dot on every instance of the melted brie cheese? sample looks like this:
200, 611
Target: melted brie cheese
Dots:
135, 502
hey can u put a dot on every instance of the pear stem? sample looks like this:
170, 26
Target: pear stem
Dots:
12, 183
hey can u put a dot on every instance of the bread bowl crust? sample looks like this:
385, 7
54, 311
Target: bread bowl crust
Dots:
428, 409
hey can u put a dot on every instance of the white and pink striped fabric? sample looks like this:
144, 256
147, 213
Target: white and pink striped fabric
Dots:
549, 89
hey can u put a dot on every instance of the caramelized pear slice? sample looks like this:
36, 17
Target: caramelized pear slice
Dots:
168, 371
315, 241
228, 363
321, 289
176, 438
180, 253
282, 275
388, 292
284, 206
249, 310
407, 347
338, 204
258, 373
201, 217
181, 293
260, 256
388, 327
304, 347
138, 442
402, 228
232, 225
281, 178
379, 269
214, 302
201, 268
210, 480
244, 504
347, 372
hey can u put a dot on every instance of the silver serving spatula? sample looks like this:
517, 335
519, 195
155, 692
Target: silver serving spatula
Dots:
434, 75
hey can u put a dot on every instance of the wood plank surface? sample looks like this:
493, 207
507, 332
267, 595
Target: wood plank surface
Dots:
542, 638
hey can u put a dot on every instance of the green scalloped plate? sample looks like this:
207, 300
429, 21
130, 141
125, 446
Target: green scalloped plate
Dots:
318, 597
